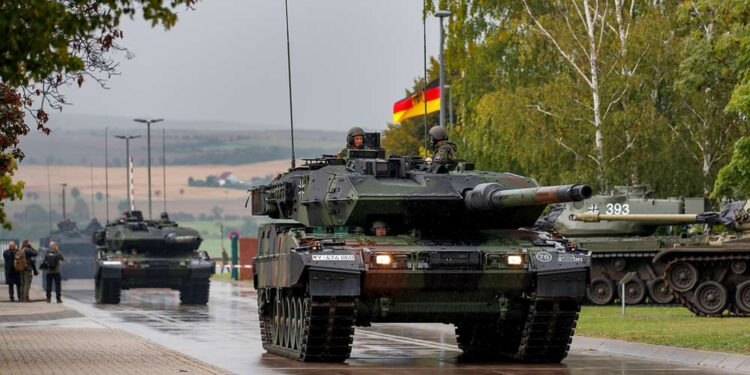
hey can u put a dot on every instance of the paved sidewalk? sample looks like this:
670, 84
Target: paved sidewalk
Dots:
35, 310
41, 338
54, 350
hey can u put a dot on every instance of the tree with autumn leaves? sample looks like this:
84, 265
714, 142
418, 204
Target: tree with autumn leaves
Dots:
49, 45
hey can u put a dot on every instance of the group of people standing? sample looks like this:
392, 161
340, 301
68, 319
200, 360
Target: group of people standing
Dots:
20, 268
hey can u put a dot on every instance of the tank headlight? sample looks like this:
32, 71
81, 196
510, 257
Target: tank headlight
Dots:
383, 259
112, 263
515, 260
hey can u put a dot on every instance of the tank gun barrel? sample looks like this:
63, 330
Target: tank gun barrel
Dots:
489, 196
595, 217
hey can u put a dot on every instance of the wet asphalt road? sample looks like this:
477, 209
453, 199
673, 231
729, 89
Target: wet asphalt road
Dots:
226, 334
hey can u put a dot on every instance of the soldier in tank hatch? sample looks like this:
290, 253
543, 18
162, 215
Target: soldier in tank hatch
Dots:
380, 228
355, 139
443, 150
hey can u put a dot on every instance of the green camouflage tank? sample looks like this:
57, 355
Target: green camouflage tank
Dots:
710, 277
138, 253
76, 246
625, 248
366, 239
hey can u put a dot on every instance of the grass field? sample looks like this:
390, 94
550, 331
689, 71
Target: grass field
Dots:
672, 326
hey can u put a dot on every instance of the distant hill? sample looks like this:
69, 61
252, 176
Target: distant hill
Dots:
79, 140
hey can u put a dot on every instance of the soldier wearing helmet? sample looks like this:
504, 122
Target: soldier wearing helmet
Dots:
443, 150
379, 228
355, 139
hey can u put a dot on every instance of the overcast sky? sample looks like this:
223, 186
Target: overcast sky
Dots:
226, 61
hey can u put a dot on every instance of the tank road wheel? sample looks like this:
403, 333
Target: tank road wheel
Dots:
601, 291
682, 276
659, 292
742, 297
635, 291
107, 291
711, 298
619, 264
308, 329
739, 267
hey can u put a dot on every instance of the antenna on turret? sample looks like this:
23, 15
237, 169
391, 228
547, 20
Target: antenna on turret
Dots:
289, 73
106, 172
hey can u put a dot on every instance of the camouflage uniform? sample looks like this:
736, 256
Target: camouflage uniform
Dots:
446, 152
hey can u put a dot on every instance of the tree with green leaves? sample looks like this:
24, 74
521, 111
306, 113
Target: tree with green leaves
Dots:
733, 181
48, 45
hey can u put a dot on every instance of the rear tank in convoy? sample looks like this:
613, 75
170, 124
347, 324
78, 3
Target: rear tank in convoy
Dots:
77, 247
710, 277
366, 239
625, 247
137, 253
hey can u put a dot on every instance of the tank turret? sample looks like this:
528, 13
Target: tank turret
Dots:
356, 192
138, 253
364, 239
734, 216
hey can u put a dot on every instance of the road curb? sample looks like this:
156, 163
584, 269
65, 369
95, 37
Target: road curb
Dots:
701, 358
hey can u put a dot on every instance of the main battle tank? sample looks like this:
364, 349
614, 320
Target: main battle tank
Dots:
446, 248
76, 246
624, 247
138, 253
710, 277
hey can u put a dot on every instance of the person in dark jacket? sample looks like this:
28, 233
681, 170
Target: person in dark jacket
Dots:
51, 263
12, 277
26, 277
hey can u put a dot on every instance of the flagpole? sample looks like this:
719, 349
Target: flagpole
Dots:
424, 79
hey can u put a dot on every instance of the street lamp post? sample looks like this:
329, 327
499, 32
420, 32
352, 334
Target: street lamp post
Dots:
127, 139
63, 198
148, 123
442, 14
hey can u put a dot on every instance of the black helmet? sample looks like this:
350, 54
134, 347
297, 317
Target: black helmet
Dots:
438, 133
353, 132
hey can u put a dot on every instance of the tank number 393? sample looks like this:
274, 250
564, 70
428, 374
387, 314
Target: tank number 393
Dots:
618, 209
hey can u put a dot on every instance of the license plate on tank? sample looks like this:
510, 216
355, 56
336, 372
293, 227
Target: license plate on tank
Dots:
331, 257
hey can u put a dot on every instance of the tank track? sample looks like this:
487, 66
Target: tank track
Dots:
548, 331
543, 335
195, 292
327, 329
107, 291
687, 301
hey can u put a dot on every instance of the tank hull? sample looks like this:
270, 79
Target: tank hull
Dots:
362, 283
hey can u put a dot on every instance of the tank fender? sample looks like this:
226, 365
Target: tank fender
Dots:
200, 271
334, 274
560, 274
110, 271
324, 282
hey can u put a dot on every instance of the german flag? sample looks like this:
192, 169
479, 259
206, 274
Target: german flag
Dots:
413, 105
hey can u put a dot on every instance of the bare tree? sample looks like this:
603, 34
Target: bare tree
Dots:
588, 24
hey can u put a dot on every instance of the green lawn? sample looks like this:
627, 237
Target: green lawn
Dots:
673, 326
